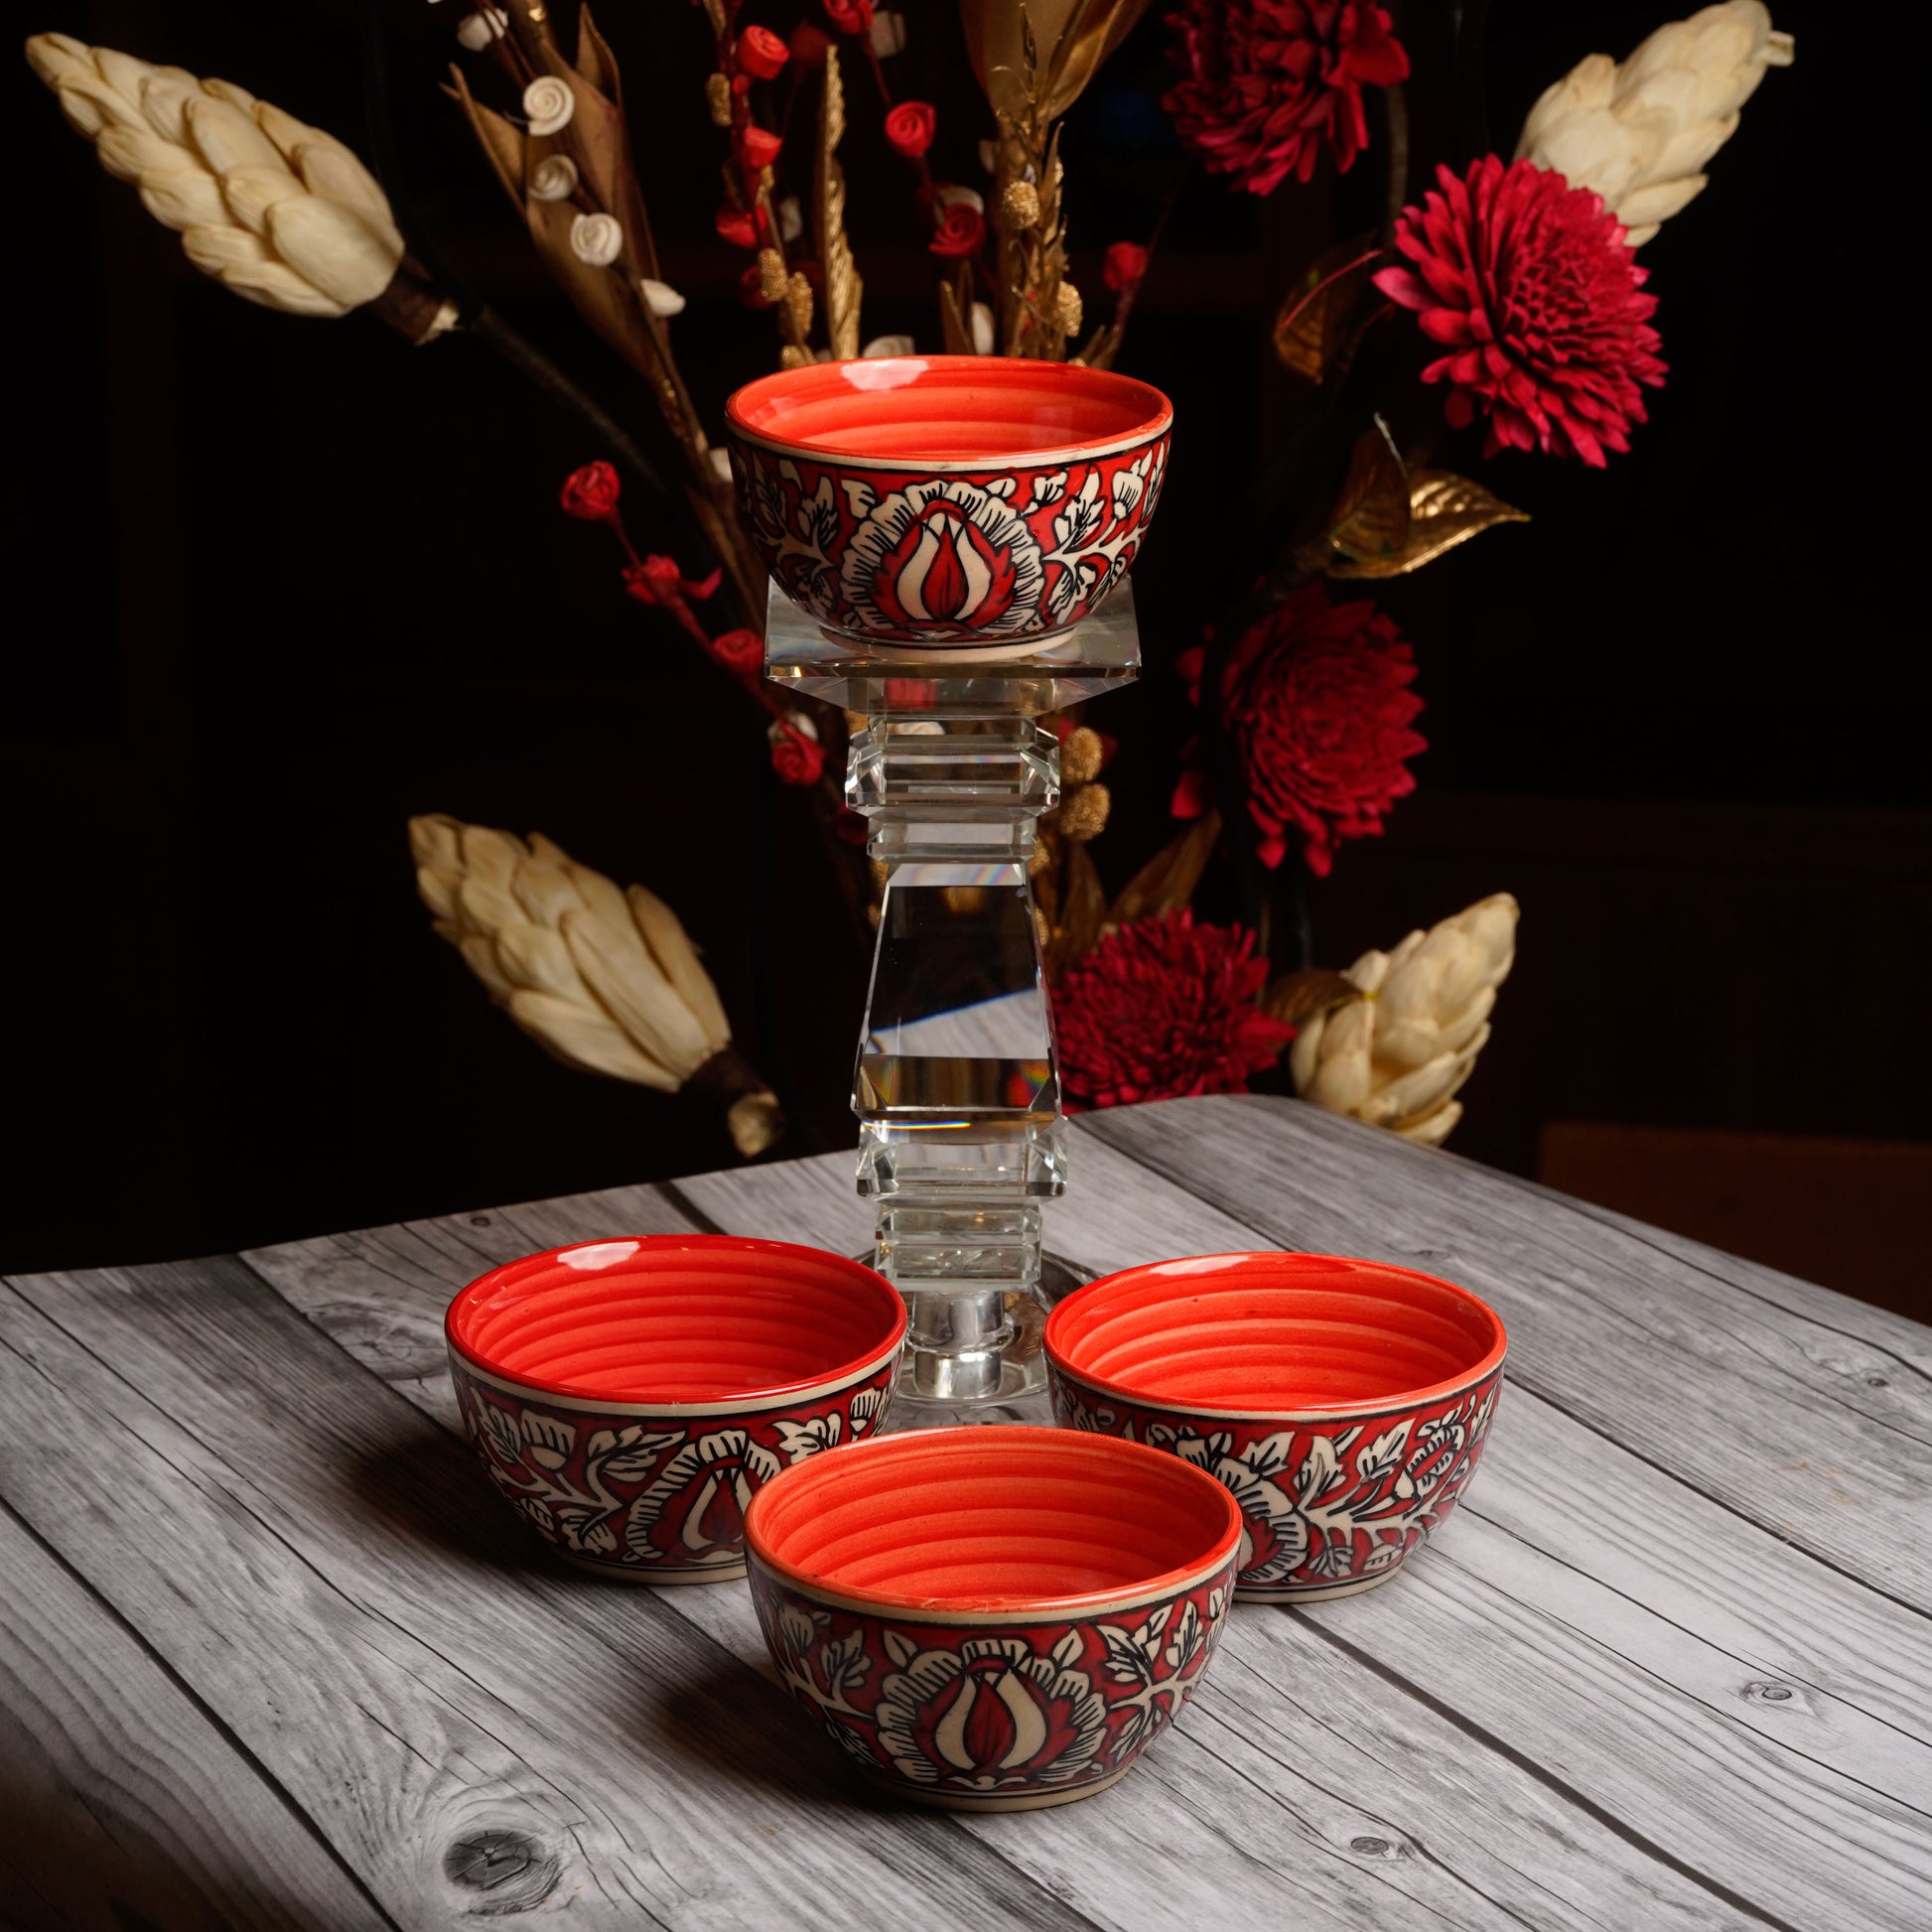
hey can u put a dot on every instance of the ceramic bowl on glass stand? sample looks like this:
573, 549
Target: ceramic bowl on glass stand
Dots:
949, 540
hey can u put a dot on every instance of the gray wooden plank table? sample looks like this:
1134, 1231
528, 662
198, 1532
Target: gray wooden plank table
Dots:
271, 1653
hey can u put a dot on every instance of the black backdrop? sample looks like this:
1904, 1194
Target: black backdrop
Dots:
279, 584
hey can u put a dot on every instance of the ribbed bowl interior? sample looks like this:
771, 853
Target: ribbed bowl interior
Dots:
1253, 1334
676, 1318
990, 1517
946, 408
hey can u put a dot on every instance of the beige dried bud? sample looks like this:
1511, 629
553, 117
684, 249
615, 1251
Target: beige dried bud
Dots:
1084, 815
1080, 756
1396, 1056
277, 211
602, 979
1071, 309
1641, 131
1019, 203
772, 283
798, 292
718, 98
793, 356
1044, 855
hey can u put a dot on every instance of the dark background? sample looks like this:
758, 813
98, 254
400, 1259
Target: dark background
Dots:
279, 584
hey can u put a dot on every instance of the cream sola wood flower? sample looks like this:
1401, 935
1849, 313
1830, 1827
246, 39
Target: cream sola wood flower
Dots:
1640, 131
1396, 1055
278, 212
603, 979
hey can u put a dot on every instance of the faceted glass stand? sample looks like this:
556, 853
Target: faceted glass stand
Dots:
1100, 654
961, 1137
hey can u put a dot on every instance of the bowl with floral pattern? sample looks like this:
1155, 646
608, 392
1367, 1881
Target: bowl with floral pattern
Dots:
1344, 1403
629, 1397
993, 1618
979, 503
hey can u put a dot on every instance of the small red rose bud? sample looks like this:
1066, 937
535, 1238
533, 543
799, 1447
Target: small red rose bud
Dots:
1125, 263
590, 492
850, 16
909, 128
796, 758
742, 651
751, 289
759, 147
738, 227
762, 53
962, 229
808, 45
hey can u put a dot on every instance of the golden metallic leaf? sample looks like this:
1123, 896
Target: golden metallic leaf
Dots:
1070, 40
1298, 996
1370, 524
1166, 882
1315, 331
955, 313
1083, 912
1445, 509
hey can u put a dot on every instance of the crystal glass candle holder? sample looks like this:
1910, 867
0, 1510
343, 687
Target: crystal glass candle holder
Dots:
961, 1137
949, 539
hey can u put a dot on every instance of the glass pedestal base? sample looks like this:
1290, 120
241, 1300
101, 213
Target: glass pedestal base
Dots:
961, 1138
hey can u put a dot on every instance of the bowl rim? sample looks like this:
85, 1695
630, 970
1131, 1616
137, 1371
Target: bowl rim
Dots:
990, 368
1361, 1409
993, 1608
775, 1395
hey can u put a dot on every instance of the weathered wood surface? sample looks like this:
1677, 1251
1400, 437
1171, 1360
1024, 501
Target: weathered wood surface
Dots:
289, 1662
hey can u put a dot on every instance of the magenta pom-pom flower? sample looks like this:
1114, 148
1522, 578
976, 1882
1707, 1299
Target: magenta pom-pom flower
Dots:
1529, 286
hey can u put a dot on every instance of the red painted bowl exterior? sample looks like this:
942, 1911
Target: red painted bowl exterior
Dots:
1332, 1497
993, 1708
655, 1491
939, 551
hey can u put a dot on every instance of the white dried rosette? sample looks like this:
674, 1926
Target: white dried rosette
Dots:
1640, 132
1395, 1056
278, 212
603, 979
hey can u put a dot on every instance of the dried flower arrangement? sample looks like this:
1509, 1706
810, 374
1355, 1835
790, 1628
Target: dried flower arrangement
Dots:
1511, 288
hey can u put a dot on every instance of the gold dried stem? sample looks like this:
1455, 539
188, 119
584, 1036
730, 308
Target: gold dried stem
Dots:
1029, 92
1033, 260
843, 289
1003, 42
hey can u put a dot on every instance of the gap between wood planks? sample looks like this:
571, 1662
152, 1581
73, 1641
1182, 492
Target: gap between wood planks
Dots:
325, 1284
802, 1185
1129, 1199
295, 1618
167, 1850
1619, 1335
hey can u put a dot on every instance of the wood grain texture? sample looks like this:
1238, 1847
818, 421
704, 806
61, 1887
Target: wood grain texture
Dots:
1799, 1427
122, 1802
1203, 1833
344, 1593
1617, 1690
1627, 1656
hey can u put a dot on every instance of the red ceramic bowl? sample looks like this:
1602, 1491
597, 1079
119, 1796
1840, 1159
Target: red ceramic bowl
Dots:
949, 501
1344, 1403
992, 1618
628, 1397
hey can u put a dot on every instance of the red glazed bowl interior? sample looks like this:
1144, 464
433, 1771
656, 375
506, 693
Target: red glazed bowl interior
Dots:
992, 1518
918, 409
1274, 1333
677, 1317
